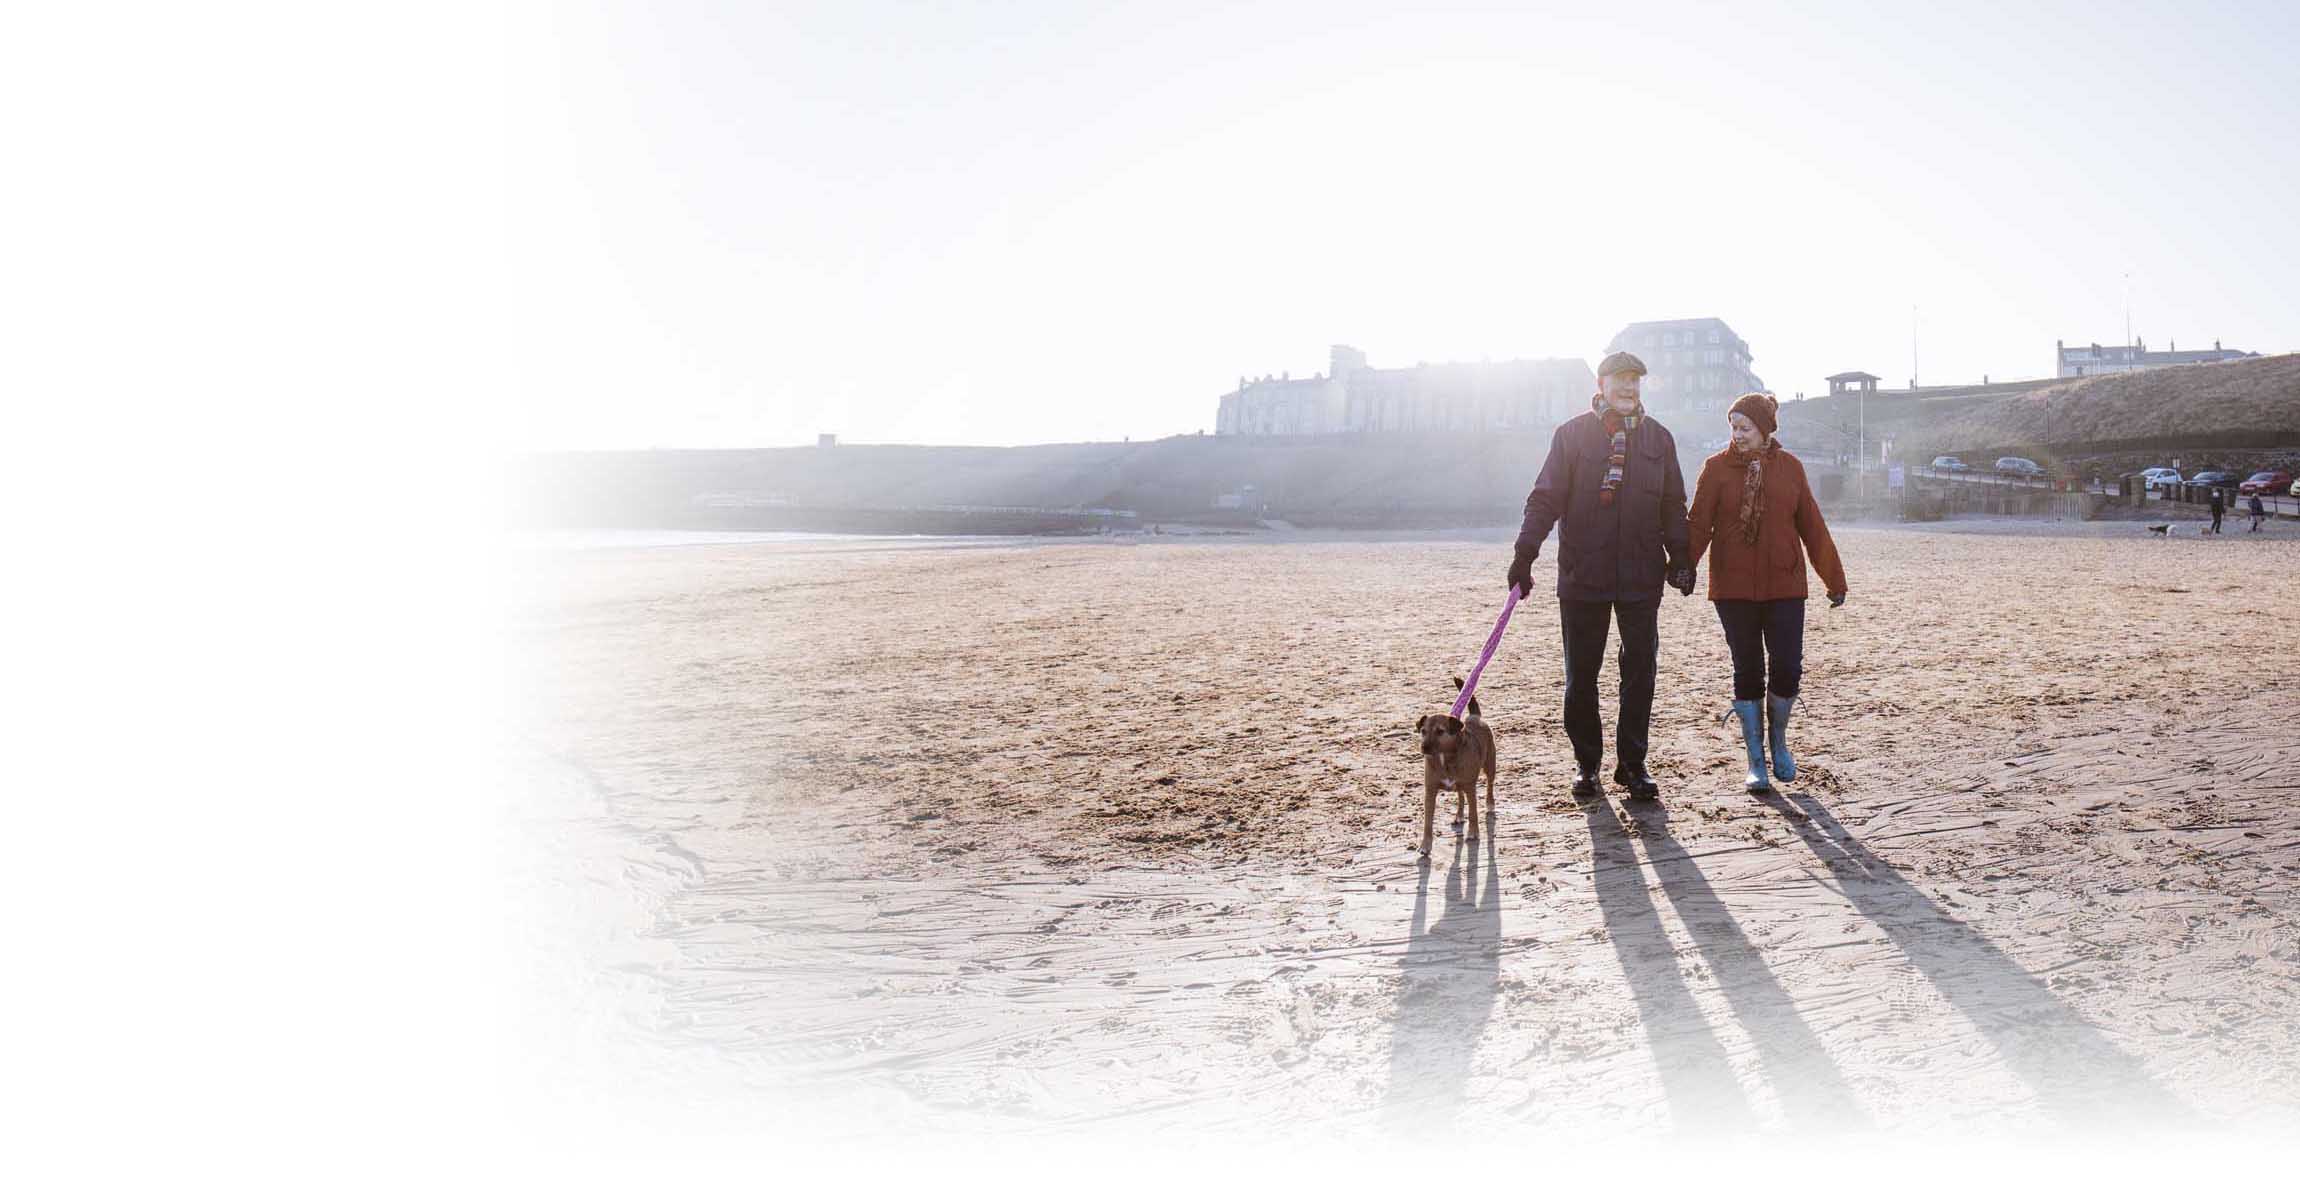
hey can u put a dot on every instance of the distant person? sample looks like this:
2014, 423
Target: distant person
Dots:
1751, 505
2219, 506
2259, 511
1612, 480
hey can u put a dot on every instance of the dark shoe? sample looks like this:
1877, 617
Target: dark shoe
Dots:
1585, 781
1641, 785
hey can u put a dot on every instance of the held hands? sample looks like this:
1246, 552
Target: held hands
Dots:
1682, 579
1836, 599
1521, 576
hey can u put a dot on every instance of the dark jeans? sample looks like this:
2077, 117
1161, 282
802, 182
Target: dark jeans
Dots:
1584, 625
1756, 630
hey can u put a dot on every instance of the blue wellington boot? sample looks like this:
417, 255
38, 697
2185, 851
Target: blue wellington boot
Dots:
1753, 740
1777, 707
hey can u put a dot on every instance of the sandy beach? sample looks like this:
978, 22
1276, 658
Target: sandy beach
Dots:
1118, 836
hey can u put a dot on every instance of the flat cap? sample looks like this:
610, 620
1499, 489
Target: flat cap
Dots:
1620, 360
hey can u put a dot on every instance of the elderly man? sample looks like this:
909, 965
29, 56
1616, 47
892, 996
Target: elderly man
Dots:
1612, 478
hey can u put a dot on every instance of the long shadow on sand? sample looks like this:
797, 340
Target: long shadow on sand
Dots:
1451, 975
1696, 1076
2076, 1073
1813, 1092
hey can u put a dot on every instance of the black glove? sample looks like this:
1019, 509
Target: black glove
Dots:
1681, 578
1521, 575
1836, 599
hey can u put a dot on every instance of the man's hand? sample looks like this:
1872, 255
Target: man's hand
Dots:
1521, 575
1836, 599
1682, 580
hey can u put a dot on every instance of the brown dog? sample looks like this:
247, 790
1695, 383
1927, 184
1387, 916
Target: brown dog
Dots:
1454, 753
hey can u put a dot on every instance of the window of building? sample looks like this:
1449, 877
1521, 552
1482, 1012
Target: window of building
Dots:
1669, 339
1712, 337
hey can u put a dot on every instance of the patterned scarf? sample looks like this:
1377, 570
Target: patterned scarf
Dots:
1753, 487
1617, 428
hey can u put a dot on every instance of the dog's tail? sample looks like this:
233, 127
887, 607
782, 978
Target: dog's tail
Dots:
1457, 686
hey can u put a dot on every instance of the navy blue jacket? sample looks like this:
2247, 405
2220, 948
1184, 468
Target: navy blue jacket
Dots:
1622, 551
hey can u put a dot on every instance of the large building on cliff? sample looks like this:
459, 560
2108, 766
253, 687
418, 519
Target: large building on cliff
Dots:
2075, 362
1696, 366
1353, 397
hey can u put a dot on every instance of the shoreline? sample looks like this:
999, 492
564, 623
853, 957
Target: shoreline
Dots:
2234, 527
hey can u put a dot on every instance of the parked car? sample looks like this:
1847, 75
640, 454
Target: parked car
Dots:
2010, 465
2266, 483
1950, 462
2214, 478
2296, 489
2158, 477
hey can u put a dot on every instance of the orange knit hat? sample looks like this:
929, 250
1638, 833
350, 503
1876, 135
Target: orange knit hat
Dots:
1762, 410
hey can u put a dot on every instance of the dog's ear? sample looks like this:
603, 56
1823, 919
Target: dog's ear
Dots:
1421, 721
1453, 724
1457, 683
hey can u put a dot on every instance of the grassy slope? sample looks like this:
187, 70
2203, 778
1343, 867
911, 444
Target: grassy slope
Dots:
2255, 402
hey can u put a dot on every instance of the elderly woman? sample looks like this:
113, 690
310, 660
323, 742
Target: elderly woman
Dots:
1751, 506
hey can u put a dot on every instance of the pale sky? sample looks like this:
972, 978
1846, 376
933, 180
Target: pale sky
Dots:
745, 224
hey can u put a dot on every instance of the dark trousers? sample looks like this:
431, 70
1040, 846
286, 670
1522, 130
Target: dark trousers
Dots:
1584, 625
1757, 630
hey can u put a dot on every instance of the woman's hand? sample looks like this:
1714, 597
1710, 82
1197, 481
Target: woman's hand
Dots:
1836, 599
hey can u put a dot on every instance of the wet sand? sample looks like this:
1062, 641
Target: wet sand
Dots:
1119, 837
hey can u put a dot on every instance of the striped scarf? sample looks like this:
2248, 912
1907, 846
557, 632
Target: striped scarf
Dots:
1617, 428
1753, 488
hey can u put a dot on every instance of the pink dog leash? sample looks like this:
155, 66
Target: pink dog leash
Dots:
1485, 656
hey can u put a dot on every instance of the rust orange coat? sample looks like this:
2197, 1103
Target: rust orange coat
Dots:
1774, 567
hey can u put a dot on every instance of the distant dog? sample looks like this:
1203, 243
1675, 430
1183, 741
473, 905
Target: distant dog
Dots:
1454, 753
2161, 530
